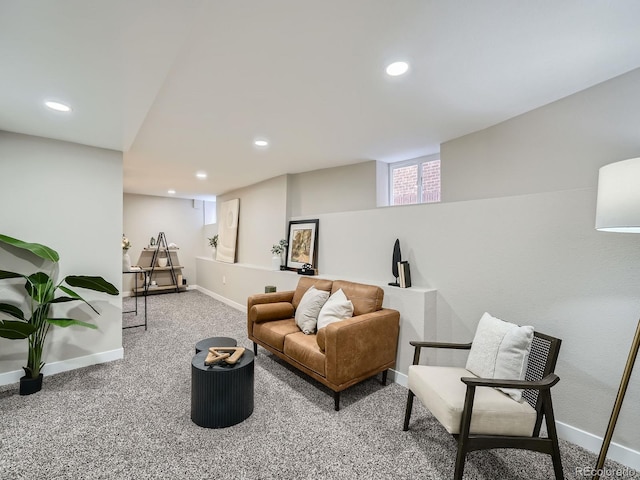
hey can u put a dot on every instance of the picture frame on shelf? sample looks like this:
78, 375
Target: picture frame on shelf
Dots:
302, 243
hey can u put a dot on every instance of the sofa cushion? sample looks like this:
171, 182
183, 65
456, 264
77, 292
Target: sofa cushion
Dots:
304, 350
273, 333
337, 308
500, 350
494, 413
303, 285
365, 298
309, 308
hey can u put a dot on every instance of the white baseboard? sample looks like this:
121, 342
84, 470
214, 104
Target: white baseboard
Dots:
52, 368
237, 306
591, 442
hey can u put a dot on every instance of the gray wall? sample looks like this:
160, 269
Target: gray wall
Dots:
521, 245
556, 147
340, 189
69, 197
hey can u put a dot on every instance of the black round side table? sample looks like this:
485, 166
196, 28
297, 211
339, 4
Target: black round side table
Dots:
221, 394
204, 345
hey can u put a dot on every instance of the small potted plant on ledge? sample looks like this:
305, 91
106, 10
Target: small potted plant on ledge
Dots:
41, 292
277, 260
213, 243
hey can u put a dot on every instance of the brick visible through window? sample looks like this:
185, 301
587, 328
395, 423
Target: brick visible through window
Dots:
415, 182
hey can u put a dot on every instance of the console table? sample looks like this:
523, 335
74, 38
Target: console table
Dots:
135, 310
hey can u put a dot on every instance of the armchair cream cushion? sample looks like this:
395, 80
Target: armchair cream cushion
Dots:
494, 413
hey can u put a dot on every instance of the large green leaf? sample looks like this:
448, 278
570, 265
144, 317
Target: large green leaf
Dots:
40, 287
15, 330
38, 249
98, 284
72, 297
5, 274
12, 310
67, 322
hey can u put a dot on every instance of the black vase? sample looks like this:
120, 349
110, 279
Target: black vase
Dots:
30, 385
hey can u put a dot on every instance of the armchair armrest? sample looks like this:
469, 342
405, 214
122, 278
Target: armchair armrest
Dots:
419, 345
361, 344
544, 384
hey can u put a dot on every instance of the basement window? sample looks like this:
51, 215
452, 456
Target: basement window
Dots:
415, 181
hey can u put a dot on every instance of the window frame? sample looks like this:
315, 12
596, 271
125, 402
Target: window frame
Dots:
419, 162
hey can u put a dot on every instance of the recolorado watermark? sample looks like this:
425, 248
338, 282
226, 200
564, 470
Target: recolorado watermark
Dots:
625, 472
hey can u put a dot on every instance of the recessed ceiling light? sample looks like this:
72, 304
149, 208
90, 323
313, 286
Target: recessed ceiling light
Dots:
171, 192
397, 68
57, 106
201, 175
261, 143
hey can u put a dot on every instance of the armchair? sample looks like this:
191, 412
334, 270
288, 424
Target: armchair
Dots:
485, 418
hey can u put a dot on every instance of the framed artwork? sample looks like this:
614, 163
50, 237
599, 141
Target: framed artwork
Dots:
228, 231
302, 244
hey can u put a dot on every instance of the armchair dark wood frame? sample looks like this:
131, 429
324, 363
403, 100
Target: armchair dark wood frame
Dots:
537, 392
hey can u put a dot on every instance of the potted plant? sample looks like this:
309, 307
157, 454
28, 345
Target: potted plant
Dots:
213, 243
278, 249
41, 291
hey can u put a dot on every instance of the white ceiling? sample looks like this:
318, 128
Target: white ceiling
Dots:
185, 86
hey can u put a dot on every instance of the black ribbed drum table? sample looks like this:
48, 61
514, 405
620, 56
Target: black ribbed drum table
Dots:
221, 394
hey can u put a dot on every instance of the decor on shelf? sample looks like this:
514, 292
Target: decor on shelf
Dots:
395, 259
405, 274
618, 210
152, 242
126, 259
229, 211
213, 243
162, 261
302, 244
41, 295
278, 261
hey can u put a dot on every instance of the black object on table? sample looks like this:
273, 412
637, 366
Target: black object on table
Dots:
221, 394
135, 310
204, 345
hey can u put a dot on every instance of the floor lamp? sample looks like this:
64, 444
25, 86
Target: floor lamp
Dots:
618, 210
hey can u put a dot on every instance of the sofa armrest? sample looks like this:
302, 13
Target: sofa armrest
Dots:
359, 345
274, 297
264, 312
260, 307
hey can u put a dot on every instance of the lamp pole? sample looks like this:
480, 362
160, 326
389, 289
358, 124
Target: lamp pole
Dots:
624, 383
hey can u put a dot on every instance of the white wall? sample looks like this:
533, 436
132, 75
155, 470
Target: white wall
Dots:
181, 220
68, 197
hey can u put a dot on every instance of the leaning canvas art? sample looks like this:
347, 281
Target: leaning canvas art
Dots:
228, 231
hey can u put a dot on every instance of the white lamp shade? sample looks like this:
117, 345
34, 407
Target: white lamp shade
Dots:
618, 207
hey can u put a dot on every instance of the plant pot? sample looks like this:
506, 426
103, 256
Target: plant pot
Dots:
126, 261
162, 262
30, 385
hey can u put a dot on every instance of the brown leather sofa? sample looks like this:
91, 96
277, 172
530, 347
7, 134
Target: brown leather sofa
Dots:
339, 355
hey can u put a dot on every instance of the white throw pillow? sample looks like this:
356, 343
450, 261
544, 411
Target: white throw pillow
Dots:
500, 350
309, 308
337, 308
